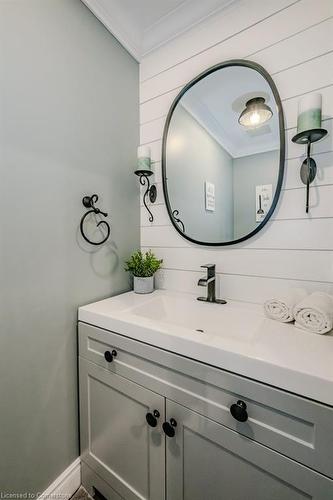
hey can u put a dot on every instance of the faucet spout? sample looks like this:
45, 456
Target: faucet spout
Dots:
206, 281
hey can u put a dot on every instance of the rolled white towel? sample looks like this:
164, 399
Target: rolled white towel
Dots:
281, 308
315, 313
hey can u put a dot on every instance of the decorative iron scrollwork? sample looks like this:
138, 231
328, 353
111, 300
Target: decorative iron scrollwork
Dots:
151, 190
309, 168
180, 223
89, 202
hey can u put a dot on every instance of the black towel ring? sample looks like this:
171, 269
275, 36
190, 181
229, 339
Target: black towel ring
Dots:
89, 202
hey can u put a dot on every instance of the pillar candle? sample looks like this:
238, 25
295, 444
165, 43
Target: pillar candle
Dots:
144, 158
309, 112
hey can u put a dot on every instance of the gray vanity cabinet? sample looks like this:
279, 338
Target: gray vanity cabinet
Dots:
116, 441
196, 450
207, 461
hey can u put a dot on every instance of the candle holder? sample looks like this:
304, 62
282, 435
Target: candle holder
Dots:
151, 191
309, 168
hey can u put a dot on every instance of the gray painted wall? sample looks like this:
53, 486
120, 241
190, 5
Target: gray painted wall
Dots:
250, 171
193, 157
68, 126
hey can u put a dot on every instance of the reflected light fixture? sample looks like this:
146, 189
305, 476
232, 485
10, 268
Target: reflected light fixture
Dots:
256, 113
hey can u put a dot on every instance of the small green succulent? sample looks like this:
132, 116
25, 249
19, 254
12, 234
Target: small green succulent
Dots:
143, 265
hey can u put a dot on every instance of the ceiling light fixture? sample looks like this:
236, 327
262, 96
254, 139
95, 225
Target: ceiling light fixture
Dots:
256, 113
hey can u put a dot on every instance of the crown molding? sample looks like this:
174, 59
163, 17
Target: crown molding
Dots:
189, 14
139, 42
112, 21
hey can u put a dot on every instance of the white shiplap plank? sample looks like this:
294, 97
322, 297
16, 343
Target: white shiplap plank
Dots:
259, 44
306, 77
233, 287
287, 264
161, 217
290, 52
158, 107
299, 234
292, 203
315, 234
227, 23
152, 131
162, 236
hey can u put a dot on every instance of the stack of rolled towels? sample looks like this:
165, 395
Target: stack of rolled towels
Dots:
313, 313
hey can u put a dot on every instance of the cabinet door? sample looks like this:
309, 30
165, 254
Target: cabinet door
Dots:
206, 460
116, 440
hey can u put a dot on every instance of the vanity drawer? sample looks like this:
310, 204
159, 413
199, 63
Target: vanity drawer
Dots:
294, 426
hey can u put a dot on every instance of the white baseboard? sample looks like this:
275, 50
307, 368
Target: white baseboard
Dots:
66, 484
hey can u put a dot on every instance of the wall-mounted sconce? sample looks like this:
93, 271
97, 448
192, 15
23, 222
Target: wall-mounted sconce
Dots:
144, 172
308, 131
255, 114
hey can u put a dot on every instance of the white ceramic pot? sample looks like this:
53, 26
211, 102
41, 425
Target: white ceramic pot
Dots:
143, 285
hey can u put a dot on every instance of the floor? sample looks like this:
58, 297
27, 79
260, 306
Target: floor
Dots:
81, 494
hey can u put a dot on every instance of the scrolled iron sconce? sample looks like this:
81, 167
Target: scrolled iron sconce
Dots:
151, 190
309, 168
89, 202
309, 130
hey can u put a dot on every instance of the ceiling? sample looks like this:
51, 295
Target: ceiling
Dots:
217, 101
143, 25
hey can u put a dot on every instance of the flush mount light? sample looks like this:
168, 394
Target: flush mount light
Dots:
256, 113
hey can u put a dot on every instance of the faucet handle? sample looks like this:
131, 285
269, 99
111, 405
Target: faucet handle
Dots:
210, 270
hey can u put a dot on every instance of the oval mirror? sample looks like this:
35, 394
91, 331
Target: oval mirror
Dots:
223, 154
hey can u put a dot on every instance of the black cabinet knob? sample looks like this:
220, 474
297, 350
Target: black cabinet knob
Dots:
152, 418
238, 411
110, 355
169, 427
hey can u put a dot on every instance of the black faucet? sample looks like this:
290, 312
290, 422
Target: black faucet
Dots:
210, 282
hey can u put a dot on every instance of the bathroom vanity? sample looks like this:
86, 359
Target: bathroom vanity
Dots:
187, 400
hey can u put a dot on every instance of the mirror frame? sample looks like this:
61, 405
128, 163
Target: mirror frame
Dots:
212, 69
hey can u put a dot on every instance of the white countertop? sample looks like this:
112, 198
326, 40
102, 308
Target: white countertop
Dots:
237, 337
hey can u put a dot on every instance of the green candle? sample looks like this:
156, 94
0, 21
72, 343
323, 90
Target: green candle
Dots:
144, 158
309, 113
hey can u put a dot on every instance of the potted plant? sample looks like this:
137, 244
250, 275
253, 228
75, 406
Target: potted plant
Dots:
143, 266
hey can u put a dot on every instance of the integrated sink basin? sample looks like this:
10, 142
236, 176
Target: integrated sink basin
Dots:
200, 317
235, 336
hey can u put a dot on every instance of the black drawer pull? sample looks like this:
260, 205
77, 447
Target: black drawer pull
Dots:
238, 411
169, 428
110, 355
152, 418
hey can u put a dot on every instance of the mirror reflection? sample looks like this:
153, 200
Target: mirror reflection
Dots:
221, 155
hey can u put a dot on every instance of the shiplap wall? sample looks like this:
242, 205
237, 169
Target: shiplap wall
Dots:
293, 40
